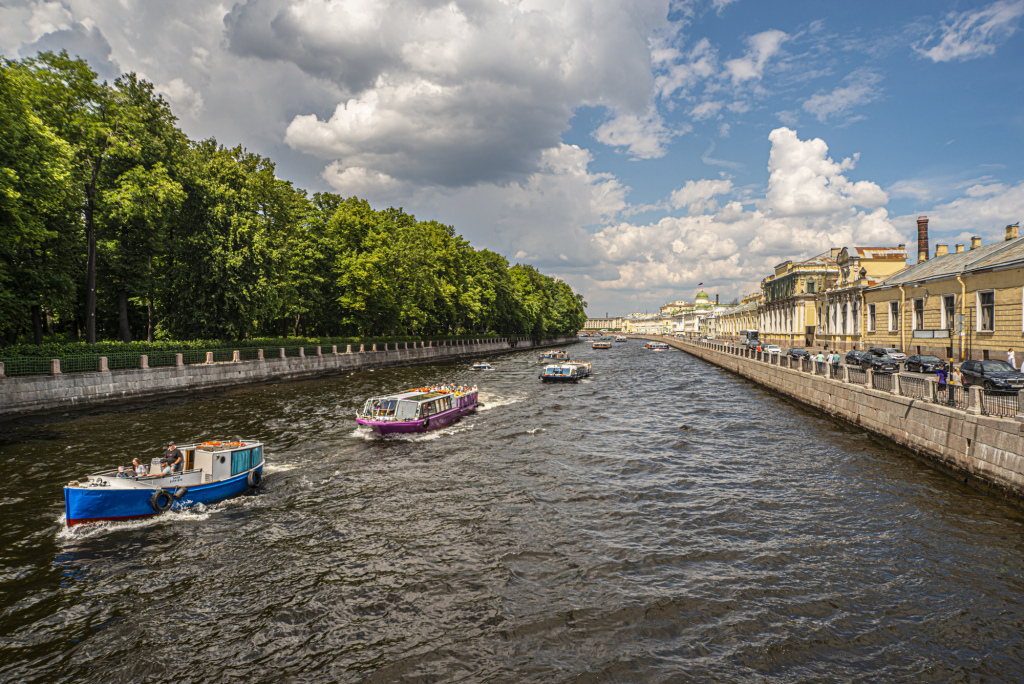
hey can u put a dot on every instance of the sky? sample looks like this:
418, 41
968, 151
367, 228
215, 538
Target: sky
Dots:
634, 149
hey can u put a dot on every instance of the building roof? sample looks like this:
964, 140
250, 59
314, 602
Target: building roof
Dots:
949, 265
881, 252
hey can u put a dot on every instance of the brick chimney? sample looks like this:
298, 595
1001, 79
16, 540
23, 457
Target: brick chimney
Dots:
959, 248
975, 242
941, 250
922, 238
1011, 231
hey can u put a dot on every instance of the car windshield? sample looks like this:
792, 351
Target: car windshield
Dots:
885, 359
997, 367
890, 351
929, 359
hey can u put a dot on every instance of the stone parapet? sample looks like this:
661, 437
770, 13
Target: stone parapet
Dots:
40, 393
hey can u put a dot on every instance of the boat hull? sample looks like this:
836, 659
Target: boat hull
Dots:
85, 505
558, 378
437, 421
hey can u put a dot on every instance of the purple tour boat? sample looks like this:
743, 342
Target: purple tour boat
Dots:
418, 410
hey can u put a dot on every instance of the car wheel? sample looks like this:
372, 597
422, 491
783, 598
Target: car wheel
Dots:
989, 386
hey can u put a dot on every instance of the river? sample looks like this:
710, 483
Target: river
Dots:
663, 520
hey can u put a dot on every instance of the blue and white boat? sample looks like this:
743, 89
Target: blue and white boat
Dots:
212, 472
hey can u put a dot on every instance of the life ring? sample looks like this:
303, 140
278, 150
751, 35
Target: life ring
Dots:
180, 492
255, 478
161, 500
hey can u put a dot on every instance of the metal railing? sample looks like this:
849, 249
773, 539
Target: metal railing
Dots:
913, 387
857, 375
881, 381
994, 403
835, 371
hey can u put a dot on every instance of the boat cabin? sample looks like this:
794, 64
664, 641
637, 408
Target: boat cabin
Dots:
414, 405
204, 462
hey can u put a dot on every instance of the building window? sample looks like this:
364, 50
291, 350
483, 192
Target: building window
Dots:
810, 287
871, 318
948, 311
986, 311
918, 314
894, 316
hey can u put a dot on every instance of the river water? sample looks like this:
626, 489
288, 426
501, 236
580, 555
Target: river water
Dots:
661, 521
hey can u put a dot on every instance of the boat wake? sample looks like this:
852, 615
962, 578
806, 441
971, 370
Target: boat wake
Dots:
494, 402
197, 513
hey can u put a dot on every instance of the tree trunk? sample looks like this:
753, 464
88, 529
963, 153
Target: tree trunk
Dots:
90, 263
150, 323
37, 324
296, 329
49, 322
126, 332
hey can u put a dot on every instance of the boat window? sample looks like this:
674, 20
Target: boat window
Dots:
240, 461
257, 456
406, 410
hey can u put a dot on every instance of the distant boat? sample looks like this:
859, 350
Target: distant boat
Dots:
482, 365
602, 345
656, 346
621, 338
562, 372
558, 354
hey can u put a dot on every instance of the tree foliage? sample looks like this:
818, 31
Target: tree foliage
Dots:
114, 225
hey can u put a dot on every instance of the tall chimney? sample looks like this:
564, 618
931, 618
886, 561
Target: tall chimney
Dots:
975, 242
716, 300
922, 238
1011, 231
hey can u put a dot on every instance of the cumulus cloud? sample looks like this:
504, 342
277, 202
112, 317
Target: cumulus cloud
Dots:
984, 209
860, 91
761, 47
697, 195
644, 137
972, 33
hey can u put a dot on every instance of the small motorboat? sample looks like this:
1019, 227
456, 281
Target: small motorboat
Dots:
418, 410
558, 355
212, 472
656, 346
602, 345
482, 365
621, 338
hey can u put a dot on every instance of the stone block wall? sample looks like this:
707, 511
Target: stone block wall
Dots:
37, 393
987, 448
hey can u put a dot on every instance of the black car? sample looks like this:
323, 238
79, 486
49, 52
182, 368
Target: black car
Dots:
879, 364
923, 363
856, 358
992, 375
797, 353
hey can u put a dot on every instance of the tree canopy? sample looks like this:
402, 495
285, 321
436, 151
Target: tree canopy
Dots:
114, 225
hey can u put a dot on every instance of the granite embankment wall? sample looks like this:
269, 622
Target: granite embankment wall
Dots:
39, 393
983, 447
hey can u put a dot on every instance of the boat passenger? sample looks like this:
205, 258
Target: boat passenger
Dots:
174, 457
121, 472
140, 470
165, 467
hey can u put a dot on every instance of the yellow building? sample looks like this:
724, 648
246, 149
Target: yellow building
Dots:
962, 304
838, 309
787, 314
611, 323
742, 317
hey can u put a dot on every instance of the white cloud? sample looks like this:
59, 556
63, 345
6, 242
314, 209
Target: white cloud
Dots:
972, 33
697, 195
761, 47
983, 210
706, 110
719, 5
644, 137
860, 91
184, 99
700, 63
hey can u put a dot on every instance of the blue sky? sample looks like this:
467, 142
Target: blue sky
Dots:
632, 148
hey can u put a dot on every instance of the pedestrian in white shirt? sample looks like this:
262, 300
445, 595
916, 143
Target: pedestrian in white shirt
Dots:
1010, 358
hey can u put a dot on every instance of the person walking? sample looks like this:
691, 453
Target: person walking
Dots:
941, 375
1010, 358
820, 360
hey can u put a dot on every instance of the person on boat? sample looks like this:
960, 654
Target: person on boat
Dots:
165, 467
140, 470
174, 457
121, 472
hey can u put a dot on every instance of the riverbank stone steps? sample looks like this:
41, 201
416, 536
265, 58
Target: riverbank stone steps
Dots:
988, 449
61, 391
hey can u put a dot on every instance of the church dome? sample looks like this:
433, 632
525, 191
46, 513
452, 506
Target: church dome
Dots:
703, 301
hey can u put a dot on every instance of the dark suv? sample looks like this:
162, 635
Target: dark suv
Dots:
856, 358
992, 375
797, 353
879, 364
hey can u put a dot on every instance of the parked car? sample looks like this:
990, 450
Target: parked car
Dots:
855, 357
992, 375
880, 364
923, 363
797, 353
771, 349
892, 353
